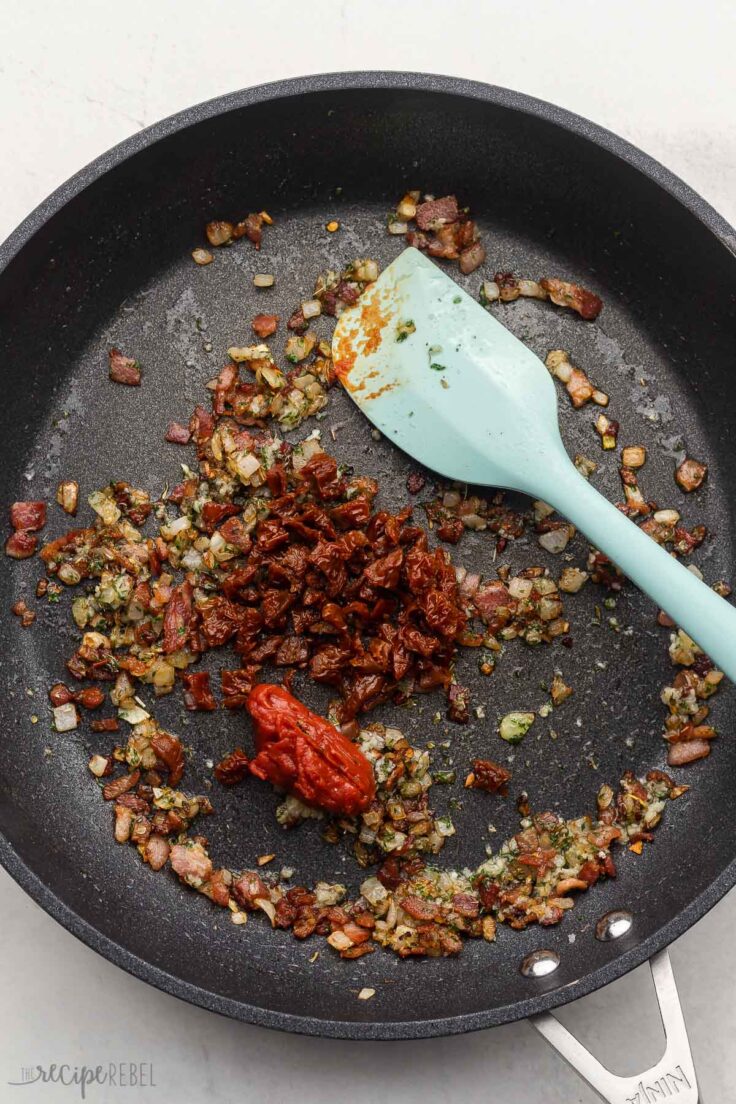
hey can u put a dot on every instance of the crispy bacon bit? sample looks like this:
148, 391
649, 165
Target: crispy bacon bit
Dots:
28, 516
197, 692
21, 545
249, 889
443, 230
21, 610
264, 325
121, 785
177, 434
233, 768
680, 754
472, 257
123, 369
435, 213
108, 724
565, 294
489, 776
191, 863
156, 852
123, 823
576, 382
690, 475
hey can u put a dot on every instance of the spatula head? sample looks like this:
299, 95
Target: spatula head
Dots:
444, 380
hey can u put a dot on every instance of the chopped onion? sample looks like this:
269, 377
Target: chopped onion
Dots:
173, 528
520, 588
219, 232
542, 510
67, 495
514, 726
246, 465
407, 208
98, 765
327, 894
559, 365
373, 891
532, 290
202, 256
267, 907
263, 280
249, 352
556, 540
340, 941
304, 452
666, 517
572, 580
366, 270
133, 714
104, 507
69, 575
489, 292
311, 308
633, 456
66, 717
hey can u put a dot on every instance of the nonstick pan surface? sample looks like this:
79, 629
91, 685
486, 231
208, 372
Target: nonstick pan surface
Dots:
106, 261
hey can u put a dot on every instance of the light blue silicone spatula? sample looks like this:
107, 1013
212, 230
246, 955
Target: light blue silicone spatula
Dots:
452, 387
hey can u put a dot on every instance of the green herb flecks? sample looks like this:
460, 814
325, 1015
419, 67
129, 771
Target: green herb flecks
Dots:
404, 329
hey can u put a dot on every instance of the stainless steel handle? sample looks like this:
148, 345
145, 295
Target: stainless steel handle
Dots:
671, 1079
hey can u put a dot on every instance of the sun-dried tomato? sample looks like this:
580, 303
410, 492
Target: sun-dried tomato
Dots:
489, 776
169, 750
90, 698
177, 618
197, 692
233, 768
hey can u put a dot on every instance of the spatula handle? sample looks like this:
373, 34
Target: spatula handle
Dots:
709, 619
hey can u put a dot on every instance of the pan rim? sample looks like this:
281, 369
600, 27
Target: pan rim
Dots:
11, 247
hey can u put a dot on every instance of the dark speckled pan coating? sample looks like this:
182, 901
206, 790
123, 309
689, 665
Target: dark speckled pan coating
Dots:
106, 260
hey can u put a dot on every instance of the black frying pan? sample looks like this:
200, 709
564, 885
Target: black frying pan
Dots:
106, 260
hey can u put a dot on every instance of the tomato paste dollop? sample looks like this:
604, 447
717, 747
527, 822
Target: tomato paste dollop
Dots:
307, 755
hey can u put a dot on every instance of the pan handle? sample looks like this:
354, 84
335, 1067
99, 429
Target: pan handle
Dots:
672, 1078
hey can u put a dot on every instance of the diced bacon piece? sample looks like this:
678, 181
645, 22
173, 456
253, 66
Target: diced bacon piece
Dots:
123, 369
191, 863
30, 516
21, 545
263, 325
565, 294
434, 213
177, 434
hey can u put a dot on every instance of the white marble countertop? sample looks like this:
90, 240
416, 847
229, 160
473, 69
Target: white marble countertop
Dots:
75, 79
